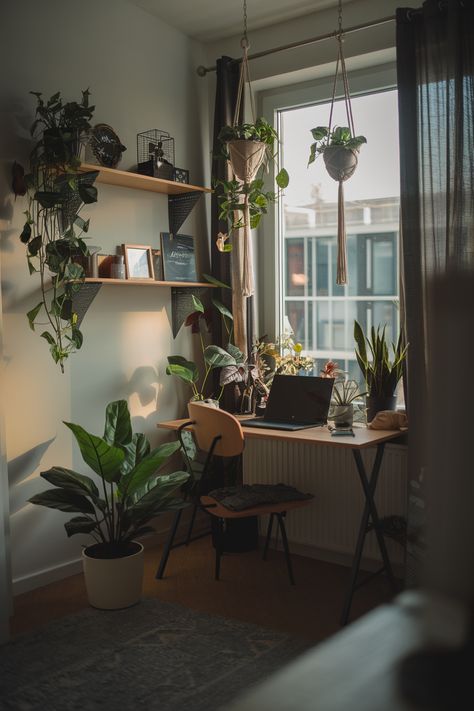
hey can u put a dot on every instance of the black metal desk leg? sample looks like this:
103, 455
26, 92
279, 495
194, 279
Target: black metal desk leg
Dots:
370, 510
269, 533
369, 491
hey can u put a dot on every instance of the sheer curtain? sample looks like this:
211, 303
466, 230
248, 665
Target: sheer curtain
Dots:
435, 64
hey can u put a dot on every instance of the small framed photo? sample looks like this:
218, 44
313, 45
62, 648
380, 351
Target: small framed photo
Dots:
138, 261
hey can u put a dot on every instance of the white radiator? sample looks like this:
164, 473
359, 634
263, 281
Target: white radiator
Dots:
328, 527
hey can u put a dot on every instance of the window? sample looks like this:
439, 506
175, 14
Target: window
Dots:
320, 312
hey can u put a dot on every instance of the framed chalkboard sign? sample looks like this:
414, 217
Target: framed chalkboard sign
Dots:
178, 256
106, 145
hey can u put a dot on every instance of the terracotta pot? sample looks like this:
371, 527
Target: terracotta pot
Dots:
246, 158
114, 583
340, 162
378, 403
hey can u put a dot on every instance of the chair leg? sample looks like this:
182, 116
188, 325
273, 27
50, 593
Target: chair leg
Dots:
168, 545
269, 533
191, 525
281, 522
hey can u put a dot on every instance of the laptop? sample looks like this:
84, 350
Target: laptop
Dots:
295, 402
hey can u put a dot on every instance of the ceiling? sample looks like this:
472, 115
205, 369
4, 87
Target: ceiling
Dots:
209, 20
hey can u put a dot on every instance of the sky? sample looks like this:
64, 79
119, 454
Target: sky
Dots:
377, 174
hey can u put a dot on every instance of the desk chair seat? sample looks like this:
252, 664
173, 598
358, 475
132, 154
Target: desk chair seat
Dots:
219, 434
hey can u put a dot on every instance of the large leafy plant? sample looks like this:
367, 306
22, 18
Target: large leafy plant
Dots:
213, 357
236, 197
381, 372
132, 491
54, 232
339, 136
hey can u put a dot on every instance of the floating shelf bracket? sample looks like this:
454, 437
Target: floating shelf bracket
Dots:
182, 305
83, 298
179, 207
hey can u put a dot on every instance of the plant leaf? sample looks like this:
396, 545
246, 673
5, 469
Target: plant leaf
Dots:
135, 451
102, 457
235, 352
181, 372
87, 193
31, 315
34, 245
118, 426
189, 364
80, 524
197, 304
216, 282
26, 233
63, 501
217, 357
71, 481
140, 476
282, 179
222, 309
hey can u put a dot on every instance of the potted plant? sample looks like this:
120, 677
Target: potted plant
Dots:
339, 148
133, 493
248, 147
54, 232
213, 356
344, 394
381, 373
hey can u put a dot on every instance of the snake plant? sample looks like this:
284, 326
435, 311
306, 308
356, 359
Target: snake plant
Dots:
381, 373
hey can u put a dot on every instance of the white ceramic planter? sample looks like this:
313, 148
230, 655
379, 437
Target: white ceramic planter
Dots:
114, 583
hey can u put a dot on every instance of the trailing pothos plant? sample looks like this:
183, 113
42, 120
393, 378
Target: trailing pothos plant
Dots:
132, 491
339, 136
244, 198
54, 232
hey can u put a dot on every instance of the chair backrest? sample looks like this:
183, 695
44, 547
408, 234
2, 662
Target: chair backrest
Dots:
211, 422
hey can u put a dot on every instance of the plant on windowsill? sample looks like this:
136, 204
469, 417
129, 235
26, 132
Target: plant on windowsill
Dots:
133, 493
381, 373
54, 231
344, 394
249, 148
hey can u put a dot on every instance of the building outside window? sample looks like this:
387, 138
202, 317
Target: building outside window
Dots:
319, 312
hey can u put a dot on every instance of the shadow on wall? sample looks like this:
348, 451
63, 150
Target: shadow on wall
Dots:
19, 471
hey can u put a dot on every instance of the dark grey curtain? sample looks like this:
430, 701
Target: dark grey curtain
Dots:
435, 64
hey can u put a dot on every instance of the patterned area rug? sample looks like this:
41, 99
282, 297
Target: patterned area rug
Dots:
151, 656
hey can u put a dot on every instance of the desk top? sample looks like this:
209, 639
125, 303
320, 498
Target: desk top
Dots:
314, 435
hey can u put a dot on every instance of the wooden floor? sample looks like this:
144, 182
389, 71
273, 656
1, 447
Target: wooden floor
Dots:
250, 590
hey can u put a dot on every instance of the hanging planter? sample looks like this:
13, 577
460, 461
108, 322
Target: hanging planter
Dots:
340, 149
249, 148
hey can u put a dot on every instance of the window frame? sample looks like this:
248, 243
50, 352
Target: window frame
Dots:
269, 252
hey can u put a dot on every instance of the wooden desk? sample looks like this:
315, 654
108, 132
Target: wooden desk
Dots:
364, 439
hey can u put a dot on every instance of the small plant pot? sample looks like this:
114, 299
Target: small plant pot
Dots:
378, 403
343, 415
113, 583
246, 157
340, 162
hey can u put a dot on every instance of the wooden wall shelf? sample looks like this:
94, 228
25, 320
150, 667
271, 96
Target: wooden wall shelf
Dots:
147, 282
125, 179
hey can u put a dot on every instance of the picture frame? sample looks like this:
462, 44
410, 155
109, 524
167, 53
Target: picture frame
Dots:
138, 262
178, 257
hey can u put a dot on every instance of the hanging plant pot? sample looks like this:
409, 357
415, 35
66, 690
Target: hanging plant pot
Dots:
246, 157
340, 162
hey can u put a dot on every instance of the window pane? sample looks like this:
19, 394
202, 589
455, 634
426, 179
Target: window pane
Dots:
323, 315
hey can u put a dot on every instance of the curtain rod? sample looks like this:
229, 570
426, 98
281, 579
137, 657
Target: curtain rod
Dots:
202, 71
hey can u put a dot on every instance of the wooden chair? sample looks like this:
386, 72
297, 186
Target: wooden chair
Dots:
219, 434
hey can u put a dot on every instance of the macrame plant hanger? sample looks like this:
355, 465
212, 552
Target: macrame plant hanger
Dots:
341, 162
246, 157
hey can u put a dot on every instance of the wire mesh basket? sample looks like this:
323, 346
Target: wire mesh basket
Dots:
155, 153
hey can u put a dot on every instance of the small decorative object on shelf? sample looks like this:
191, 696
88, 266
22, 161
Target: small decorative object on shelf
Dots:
117, 269
155, 154
180, 175
104, 263
138, 261
106, 146
157, 264
179, 259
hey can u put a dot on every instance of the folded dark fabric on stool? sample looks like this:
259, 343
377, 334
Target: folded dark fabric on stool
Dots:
239, 498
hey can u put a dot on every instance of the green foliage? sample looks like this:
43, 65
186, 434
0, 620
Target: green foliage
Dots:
380, 372
233, 195
133, 491
339, 136
53, 233
345, 392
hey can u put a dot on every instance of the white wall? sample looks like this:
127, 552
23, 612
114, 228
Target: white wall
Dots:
141, 74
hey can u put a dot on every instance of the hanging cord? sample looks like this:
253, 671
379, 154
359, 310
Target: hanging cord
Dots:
341, 63
244, 74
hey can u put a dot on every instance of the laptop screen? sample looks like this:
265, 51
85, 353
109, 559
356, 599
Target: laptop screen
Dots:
299, 398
